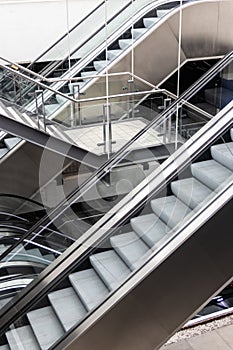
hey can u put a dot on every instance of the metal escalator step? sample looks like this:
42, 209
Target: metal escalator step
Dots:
4, 301
170, 209
137, 32
11, 142
125, 43
191, 191
3, 151
49, 109
110, 268
99, 65
22, 338
4, 347
210, 173
3, 247
89, 287
130, 248
112, 54
161, 13
42, 320
88, 73
223, 153
61, 100
73, 310
150, 228
150, 21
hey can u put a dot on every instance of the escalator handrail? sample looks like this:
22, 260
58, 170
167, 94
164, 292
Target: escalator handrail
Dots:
63, 266
115, 159
36, 82
10, 195
13, 216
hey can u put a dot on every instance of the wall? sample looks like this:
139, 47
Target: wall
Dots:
27, 27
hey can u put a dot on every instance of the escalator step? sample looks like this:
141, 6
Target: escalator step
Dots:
125, 43
223, 153
170, 209
3, 247
73, 311
4, 347
231, 132
191, 192
137, 32
88, 73
3, 151
41, 321
161, 13
110, 268
22, 338
130, 248
150, 21
4, 301
99, 65
112, 54
89, 287
61, 100
150, 228
11, 142
49, 109
210, 173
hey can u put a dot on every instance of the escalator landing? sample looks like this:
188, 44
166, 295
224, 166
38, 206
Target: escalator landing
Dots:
90, 137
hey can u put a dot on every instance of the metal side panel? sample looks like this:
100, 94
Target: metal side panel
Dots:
206, 32
168, 296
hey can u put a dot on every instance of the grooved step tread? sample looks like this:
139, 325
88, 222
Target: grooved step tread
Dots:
130, 248
150, 228
89, 287
22, 338
72, 311
110, 268
41, 321
191, 191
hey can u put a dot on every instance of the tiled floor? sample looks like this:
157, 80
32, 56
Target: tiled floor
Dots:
91, 137
218, 339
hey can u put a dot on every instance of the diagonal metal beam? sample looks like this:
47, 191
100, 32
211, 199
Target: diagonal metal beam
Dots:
49, 142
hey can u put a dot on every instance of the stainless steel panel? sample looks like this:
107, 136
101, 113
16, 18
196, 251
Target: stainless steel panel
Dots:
206, 32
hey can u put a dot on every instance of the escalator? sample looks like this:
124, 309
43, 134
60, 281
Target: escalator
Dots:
144, 258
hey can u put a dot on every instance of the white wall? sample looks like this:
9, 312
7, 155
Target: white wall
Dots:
27, 27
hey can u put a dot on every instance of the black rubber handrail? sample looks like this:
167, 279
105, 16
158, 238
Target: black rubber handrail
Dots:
16, 196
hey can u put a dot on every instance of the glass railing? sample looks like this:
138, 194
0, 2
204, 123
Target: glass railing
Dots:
129, 168
93, 48
57, 54
117, 248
